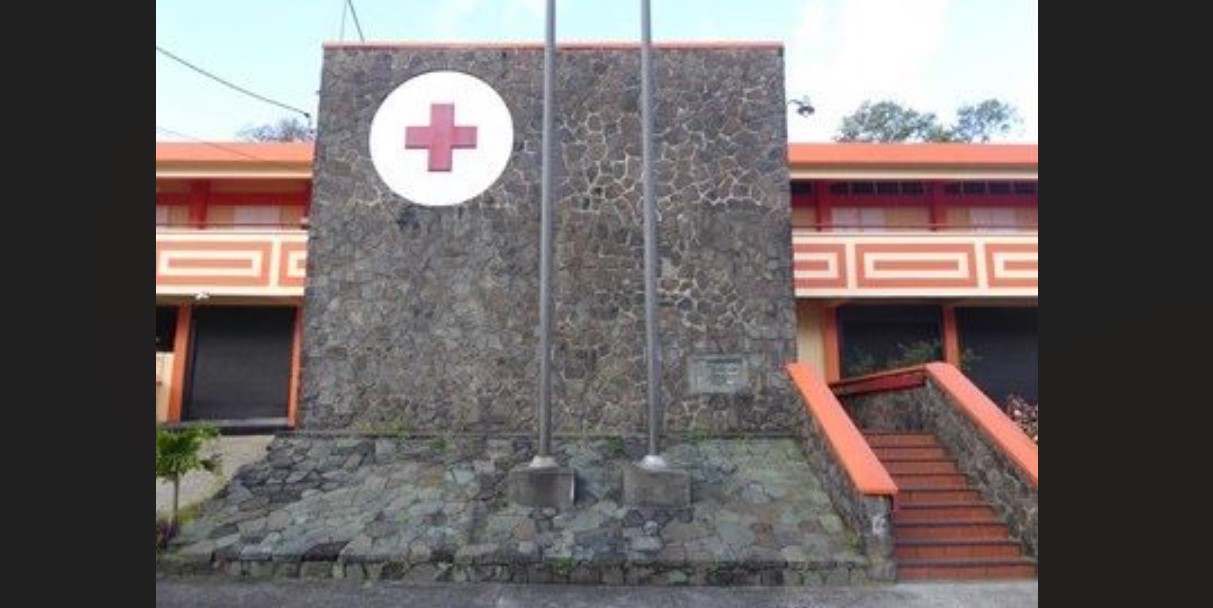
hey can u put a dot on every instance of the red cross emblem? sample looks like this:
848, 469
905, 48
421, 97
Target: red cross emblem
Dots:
440, 137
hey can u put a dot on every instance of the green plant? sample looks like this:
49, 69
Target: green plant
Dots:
614, 446
439, 443
563, 566
695, 435
967, 359
178, 453
916, 353
860, 363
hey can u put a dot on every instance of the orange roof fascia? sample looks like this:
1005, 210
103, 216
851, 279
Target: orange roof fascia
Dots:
818, 154
964, 155
234, 152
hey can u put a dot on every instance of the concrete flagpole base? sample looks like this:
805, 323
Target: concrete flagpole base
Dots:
542, 486
653, 483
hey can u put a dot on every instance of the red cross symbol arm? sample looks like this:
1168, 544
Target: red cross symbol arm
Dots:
440, 137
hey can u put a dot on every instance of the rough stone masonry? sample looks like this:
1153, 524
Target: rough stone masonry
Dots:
425, 318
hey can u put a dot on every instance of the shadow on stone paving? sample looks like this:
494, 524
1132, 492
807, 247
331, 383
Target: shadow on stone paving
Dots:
434, 509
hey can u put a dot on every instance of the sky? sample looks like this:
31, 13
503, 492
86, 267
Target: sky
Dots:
932, 55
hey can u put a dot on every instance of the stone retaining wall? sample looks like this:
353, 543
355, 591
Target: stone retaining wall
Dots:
433, 509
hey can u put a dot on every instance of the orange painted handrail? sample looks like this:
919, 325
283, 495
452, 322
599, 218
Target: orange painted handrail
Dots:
988, 417
854, 454
890, 379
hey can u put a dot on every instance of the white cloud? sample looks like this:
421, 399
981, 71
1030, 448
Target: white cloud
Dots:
851, 50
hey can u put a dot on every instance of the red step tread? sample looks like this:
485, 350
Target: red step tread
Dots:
943, 569
955, 548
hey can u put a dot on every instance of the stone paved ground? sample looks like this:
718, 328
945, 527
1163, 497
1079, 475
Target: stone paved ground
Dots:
435, 509
212, 592
234, 452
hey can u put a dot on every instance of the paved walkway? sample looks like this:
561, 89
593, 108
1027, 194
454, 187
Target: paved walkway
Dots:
234, 452
213, 592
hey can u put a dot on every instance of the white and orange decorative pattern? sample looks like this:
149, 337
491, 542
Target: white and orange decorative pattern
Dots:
834, 264
231, 262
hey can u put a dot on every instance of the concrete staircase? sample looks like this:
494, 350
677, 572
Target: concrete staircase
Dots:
943, 529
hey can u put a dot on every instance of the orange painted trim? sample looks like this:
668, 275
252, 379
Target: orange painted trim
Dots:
995, 155
829, 330
589, 45
261, 249
951, 336
234, 152
292, 399
914, 265
992, 274
989, 419
181, 347
865, 250
199, 196
292, 276
854, 454
886, 380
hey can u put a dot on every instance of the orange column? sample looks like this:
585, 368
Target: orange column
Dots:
822, 202
200, 193
951, 338
292, 399
829, 327
939, 216
181, 347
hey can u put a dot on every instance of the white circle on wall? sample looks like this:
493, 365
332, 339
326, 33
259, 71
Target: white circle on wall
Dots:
441, 138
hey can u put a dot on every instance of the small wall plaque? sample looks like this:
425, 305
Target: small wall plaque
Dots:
718, 374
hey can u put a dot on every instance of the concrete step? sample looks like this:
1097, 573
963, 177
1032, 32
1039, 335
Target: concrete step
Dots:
966, 569
900, 440
956, 548
944, 511
970, 528
917, 481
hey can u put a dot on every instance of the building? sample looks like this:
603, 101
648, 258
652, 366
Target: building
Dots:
901, 253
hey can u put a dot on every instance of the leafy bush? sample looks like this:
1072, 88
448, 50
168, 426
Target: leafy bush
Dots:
1026, 415
178, 453
914, 353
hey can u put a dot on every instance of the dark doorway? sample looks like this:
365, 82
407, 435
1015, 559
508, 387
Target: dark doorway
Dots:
166, 328
1005, 343
240, 364
879, 337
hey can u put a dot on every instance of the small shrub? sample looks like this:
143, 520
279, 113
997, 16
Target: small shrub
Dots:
178, 453
439, 444
614, 446
1026, 415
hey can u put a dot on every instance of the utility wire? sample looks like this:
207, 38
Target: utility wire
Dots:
356, 23
238, 87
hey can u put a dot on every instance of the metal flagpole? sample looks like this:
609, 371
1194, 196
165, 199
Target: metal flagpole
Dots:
652, 459
544, 456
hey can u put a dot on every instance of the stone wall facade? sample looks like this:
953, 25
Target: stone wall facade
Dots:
426, 317
1014, 497
889, 411
870, 516
927, 409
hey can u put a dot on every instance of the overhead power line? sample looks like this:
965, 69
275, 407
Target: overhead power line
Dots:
357, 25
238, 87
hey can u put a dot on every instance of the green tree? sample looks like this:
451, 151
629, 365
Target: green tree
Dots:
178, 453
888, 121
286, 129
